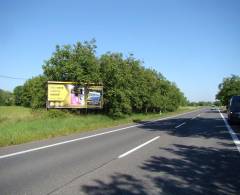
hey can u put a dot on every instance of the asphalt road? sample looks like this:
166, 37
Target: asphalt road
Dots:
188, 154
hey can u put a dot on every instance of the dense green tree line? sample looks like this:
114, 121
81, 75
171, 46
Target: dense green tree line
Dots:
202, 103
230, 86
128, 85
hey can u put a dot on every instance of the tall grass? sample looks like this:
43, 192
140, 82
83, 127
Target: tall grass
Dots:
19, 125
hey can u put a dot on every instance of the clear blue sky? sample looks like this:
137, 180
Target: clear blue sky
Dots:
194, 43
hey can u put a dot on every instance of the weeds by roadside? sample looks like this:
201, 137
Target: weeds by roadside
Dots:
20, 125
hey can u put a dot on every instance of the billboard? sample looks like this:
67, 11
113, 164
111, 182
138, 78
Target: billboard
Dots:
74, 95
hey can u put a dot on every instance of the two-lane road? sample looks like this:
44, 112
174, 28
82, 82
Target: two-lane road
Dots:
191, 153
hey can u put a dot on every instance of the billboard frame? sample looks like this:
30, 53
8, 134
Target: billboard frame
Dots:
74, 95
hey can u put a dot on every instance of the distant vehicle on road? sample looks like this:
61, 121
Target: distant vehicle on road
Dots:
233, 110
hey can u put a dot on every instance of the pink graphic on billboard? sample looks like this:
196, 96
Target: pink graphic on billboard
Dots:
75, 99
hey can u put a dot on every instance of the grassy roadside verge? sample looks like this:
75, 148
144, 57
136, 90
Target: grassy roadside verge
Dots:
20, 125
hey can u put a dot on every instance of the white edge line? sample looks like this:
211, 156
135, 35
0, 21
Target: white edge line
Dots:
194, 117
232, 133
87, 137
138, 147
64, 142
180, 125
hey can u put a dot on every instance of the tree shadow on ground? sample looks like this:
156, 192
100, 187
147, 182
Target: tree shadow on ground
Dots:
192, 171
206, 127
182, 169
196, 170
118, 184
236, 128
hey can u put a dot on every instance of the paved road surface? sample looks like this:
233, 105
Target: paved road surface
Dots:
188, 154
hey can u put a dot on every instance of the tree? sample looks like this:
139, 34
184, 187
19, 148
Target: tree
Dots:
73, 63
230, 86
128, 86
117, 80
17, 93
6, 98
34, 92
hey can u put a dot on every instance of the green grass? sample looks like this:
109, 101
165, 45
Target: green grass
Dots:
20, 125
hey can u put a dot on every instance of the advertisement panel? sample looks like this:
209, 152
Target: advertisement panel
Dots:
73, 95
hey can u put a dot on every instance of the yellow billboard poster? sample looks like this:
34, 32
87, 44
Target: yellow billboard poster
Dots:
73, 95
57, 92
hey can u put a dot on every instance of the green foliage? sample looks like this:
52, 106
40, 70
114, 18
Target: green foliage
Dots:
17, 93
117, 80
230, 86
34, 92
73, 63
128, 86
200, 103
6, 98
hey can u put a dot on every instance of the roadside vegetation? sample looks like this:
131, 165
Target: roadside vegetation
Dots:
129, 87
132, 92
20, 125
229, 87
6, 98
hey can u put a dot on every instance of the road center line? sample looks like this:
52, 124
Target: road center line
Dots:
180, 125
87, 137
232, 133
138, 147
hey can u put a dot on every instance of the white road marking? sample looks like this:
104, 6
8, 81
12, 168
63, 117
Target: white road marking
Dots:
87, 137
180, 125
138, 147
64, 142
232, 133
196, 116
